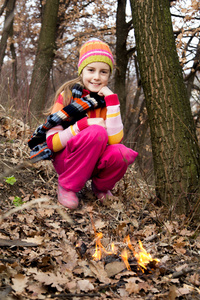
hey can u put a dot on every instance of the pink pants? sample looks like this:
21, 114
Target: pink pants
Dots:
87, 156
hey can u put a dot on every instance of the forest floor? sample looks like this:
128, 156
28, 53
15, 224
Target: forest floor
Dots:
47, 251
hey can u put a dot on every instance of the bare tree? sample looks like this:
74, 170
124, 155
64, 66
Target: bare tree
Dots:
122, 54
176, 153
44, 57
9, 6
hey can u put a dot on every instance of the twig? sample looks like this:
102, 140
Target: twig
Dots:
11, 171
151, 238
70, 295
33, 202
18, 243
5, 292
181, 273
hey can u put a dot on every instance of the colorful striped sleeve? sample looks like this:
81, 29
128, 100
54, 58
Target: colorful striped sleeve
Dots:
57, 137
114, 124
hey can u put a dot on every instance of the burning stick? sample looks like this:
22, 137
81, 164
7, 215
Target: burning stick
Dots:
124, 256
143, 257
99, 247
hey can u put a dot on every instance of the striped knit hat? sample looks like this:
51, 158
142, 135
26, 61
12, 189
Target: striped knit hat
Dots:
94, 51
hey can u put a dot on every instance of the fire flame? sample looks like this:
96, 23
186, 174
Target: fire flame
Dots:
124, 256
99, 247
143, 257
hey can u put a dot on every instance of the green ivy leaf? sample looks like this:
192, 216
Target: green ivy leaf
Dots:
17, 201
10, 180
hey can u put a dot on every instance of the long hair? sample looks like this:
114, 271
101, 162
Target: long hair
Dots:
65, 88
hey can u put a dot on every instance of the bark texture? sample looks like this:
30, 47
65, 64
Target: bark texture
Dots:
122, 29
44, 58
8, 25
176, 153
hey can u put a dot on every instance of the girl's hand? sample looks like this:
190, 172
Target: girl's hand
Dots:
96, 121
105, 91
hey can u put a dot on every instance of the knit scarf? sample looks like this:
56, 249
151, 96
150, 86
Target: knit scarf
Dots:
70, 114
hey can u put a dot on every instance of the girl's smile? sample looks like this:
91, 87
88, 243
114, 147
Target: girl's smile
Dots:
95, 76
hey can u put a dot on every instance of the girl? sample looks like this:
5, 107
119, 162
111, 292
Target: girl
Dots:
90, 148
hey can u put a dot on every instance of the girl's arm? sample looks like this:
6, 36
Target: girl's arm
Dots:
113, 121
57, 137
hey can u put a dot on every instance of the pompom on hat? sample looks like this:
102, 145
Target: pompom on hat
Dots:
95, 50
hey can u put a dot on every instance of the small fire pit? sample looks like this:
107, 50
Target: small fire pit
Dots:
140, 261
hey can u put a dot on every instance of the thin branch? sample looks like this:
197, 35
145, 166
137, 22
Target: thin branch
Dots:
3, 7
33, 202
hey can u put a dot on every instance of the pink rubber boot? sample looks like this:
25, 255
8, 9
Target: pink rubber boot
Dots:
101, 195
67, 198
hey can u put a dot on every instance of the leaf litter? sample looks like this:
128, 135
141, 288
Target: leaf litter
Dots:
46, 251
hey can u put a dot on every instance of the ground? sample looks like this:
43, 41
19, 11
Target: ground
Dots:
47, 251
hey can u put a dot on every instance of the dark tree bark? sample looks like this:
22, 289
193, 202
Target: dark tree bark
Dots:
195, 68
8, 25
44, 58
176, 153
122, 54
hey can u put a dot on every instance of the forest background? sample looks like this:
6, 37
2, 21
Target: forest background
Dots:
157, 89
39, 48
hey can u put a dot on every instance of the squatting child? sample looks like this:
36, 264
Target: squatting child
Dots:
90, 148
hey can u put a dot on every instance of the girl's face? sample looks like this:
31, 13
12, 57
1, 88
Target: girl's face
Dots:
95, 76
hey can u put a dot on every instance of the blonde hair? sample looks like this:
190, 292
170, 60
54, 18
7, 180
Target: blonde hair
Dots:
65, 88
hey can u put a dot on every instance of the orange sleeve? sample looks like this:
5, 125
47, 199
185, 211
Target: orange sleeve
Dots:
103, 113
57, 106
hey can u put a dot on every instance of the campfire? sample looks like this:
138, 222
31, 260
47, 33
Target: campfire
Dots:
143, 258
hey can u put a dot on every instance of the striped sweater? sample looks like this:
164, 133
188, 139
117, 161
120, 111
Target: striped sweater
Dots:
57, 137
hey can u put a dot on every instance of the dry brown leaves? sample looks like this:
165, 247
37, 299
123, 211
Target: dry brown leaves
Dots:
44, 256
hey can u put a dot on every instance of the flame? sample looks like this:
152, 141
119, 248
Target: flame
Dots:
143, 257
124, 256
99, 247
113, 249
128, 241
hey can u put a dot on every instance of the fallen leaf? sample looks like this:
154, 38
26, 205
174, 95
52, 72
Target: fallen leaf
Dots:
19, 283
194, 279
185, 290
55, 280
37, 290
172, 292
132, 287
85, 285
123, 293
98, 269
114, 268
99, 224
71, 286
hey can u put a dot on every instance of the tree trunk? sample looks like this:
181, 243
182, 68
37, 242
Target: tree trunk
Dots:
195, 68
121, 55
176, 153
8, 24
44, 58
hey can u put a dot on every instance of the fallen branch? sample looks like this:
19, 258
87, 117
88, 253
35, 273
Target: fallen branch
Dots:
29, 204
12, 170
7, 290
182, 272
70, 295
18, 243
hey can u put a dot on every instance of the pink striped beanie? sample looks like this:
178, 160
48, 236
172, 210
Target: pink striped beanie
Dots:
94, 50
